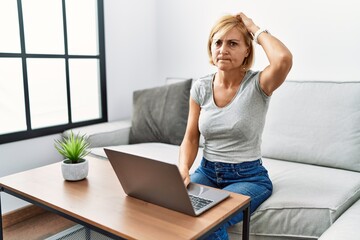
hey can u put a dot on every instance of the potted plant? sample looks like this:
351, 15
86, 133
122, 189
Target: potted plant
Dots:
74, 148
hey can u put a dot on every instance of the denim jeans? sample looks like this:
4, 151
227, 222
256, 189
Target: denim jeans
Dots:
247, 178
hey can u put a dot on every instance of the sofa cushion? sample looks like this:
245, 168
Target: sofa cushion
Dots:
346, 227
160, 113
306, 200
315, 122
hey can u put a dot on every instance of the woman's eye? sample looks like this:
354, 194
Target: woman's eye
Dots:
233, 44
217, 43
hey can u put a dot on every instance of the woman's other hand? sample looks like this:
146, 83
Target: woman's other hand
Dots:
185, 176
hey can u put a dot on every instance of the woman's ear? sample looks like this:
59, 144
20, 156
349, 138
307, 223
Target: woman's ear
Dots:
247, 52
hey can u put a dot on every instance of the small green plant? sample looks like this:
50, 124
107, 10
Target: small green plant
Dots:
74, 148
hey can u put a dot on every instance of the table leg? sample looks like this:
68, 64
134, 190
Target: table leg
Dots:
246, 223
1, 219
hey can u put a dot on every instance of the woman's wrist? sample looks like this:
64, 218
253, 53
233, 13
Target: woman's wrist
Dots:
183, 167
258, 33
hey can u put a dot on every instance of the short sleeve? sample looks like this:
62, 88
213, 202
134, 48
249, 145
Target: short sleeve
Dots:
258, 87
201, 90
195, 91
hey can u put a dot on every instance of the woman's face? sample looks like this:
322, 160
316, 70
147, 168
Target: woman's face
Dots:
229, 51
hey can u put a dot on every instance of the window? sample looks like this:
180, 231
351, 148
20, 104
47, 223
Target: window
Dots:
52, 67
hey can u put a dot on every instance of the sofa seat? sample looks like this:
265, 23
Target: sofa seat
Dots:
164, 152
306, 196
306, 200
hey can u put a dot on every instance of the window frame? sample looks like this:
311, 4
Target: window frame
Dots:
33, 133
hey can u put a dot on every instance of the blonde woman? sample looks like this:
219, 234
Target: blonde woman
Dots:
229, 108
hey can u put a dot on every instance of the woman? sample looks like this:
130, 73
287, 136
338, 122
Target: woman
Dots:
229, 107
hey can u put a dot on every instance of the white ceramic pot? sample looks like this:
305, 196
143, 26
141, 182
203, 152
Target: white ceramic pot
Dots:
75, 172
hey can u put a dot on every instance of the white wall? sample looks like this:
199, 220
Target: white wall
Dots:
131, 51
23, 155
323, 35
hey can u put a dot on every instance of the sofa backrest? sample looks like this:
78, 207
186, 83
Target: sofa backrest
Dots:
315, 122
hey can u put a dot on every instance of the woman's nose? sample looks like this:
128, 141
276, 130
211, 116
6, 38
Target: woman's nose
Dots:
223, 49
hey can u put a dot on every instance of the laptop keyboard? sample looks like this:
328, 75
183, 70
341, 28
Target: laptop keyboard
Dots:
199, 202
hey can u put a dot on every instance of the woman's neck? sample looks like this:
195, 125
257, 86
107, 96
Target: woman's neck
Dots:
229, 79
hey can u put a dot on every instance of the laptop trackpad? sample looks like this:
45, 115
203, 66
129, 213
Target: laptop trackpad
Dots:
196, 190
206, 192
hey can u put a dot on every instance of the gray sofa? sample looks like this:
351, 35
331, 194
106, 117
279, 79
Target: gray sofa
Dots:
311, 148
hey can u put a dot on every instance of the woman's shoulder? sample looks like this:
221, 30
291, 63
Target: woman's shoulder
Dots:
250, 77
253, 81
208, 77
201, 89
251, 74
204, 81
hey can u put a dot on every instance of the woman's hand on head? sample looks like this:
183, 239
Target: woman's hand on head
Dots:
248, 22
279, 56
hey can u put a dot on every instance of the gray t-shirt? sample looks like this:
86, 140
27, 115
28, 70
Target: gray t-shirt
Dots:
232, 133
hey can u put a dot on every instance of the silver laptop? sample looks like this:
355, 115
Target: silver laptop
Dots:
160, 183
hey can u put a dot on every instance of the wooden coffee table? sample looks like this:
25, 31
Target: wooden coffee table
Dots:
100, 204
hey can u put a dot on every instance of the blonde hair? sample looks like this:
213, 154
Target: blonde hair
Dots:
223, 26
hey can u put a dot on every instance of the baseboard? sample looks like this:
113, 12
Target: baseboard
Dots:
21, 214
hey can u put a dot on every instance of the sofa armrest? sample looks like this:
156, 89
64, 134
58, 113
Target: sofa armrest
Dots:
346, 226
105, 134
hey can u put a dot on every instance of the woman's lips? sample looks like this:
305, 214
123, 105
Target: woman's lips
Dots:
223, 59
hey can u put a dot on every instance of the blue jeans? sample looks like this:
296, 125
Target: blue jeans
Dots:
247, 178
